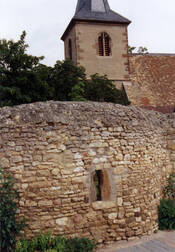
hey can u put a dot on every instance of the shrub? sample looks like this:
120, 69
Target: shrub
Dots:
101, 89
46, 243
10, 227
166, 210
166, 214
80, 245
169, 190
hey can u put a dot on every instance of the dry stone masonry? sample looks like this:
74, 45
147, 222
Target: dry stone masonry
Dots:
88, 169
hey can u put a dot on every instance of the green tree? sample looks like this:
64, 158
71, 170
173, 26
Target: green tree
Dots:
131, 49
20, 74
78, 92
101, 89
65, 75
10, 227
140, 50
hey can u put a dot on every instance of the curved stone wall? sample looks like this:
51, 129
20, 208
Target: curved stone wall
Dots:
87, 169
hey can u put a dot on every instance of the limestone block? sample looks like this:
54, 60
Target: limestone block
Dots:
99, 151
119, 157
78, 219
173, 123
112, 216
135, 122
118, 179
62, 221
4, 162
171, 145
51, 146
103, 205
30, 203
137, 209
91, 153
21, 203
118, 169
40, 184
119, 201
79, 169
24, 186
77, 156
55, 171
16, 159
55, 157
120, 222
79, 163
43, 173
55, 188
45, 203
81, 179
96, 144
18, 148
12, 144
172, 156
127, 157
62, 147
99, 160
118, 129
123, 142
107, 165
37, 158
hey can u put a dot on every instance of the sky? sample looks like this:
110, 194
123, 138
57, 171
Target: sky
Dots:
45, 21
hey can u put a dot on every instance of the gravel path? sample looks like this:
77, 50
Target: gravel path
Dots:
160, 242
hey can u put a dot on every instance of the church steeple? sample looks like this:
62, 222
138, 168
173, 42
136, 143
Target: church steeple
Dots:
97, 39
97, 10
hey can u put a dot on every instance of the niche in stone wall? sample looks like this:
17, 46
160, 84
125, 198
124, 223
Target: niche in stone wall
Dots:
102, 188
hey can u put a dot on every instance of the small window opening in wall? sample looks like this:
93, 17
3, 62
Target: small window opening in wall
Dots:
70, 49
98, 182
100, 188
104, 44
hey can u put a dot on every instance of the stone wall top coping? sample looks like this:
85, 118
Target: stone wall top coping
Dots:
83, 113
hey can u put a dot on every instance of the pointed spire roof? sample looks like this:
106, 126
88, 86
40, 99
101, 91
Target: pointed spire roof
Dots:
95, 11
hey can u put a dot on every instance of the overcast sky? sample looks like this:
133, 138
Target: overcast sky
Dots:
45, 21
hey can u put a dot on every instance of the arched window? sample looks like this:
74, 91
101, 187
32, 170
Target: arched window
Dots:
70, 49
104, 44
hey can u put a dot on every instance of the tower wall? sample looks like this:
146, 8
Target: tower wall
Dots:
85, 39
72, 36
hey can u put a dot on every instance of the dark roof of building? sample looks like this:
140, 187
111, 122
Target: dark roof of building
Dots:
95, 10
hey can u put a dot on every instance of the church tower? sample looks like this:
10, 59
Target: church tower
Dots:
97, 39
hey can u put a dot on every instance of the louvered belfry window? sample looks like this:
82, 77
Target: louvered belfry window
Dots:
104, 43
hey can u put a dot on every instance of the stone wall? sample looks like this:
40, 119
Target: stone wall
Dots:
152, 81
58, 150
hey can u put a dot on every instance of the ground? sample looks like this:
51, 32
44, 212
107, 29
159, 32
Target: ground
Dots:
160, 242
